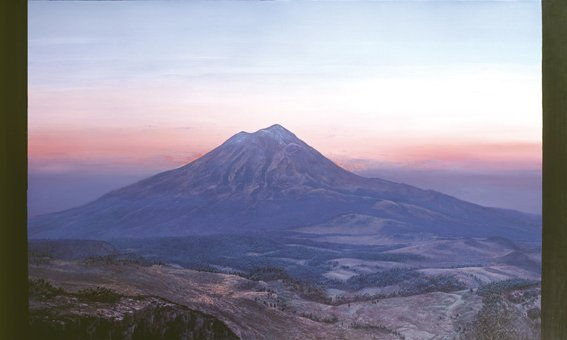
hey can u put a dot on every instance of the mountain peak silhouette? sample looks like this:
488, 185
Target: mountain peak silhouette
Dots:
272, 180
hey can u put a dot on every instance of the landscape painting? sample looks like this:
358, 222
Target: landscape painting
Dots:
284, 170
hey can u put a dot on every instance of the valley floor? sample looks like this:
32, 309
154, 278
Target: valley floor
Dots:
273, 310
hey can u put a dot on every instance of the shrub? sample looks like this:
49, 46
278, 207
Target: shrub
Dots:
382, 279
505, 286
428, 284
43, 289
98, 294
268, 274
534, 313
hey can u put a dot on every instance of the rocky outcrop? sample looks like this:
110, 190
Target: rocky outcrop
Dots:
99, 314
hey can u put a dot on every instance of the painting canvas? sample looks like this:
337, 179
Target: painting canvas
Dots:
284, 169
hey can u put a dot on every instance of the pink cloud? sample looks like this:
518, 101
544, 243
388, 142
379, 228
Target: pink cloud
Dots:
171, 147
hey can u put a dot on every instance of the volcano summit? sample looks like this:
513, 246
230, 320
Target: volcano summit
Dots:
271, 180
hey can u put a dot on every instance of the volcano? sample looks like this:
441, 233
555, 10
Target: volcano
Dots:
271, 180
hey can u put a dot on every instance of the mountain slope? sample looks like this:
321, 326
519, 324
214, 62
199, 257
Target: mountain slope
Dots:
270, 180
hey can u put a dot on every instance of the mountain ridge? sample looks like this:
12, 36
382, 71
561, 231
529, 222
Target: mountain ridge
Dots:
271, 180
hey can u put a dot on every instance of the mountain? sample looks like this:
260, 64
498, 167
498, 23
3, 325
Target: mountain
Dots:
271, 180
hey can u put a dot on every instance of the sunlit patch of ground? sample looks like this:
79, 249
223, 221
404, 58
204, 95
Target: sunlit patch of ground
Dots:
259, 310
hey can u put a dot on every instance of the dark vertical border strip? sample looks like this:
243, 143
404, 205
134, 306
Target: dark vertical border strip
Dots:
554, 81
13, 169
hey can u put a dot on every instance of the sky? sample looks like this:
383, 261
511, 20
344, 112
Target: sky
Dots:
442, 95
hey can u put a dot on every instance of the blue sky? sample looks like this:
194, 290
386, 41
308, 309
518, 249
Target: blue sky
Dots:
131, 88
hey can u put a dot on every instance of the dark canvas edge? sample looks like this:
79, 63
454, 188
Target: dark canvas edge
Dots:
554, 88
13, 169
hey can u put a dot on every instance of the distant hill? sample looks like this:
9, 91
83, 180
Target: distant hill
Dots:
272, 180
70, 249
520, 260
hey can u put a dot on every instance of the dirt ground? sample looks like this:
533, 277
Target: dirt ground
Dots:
258, 310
